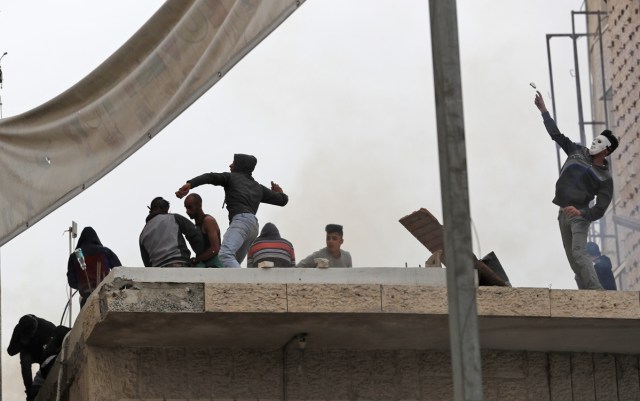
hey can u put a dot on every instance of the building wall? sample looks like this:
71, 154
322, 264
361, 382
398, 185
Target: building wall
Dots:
192, 373
601, 107
620, 26
624, 47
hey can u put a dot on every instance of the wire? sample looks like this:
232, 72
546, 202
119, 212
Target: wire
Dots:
66, 306
475, 231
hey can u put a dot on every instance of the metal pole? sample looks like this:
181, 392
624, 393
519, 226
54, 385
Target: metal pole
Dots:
461, 290
70, 289
576, 65
553, 96
73, 233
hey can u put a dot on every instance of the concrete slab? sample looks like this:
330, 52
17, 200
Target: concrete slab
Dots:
225, 297
334, 298
508, 301
430, 277
350, 316
592, 303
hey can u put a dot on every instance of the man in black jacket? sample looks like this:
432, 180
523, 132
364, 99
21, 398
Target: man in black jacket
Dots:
585, 175
243, 196
29, 337
162, 241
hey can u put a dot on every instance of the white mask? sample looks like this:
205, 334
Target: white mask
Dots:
599, 144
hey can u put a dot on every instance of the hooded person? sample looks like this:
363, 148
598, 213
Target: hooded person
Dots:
89, 264
242, 195
271, 247
603, 266
29, 337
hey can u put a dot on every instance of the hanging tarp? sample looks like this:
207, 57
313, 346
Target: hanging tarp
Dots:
51, 153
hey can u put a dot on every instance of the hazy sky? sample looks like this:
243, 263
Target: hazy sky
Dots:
337, 105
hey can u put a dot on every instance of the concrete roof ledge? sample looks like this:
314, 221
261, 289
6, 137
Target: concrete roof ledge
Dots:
433, 277
379, 308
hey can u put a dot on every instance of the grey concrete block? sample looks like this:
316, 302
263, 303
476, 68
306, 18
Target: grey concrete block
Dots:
221, 373
504, 364
414, 299
406, 382
628, 377
507, 301
222, 297
256, 374
333, 298
537, 382
606, 387
112, 371
434, 363
582, 378
560, 377
596, 304
307, 372
153, 377
154, 297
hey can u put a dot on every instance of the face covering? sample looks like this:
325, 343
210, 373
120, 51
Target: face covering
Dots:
599, 144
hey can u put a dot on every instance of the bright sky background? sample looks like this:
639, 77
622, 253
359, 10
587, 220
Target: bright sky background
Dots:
338, 107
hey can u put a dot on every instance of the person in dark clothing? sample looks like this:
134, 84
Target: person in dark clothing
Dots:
243, 196
89, 264
585, 175
162, 241
603, 266
270, 247
50, 353
28, 339
209, 229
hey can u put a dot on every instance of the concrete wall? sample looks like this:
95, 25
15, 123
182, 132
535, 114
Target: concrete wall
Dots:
624, 47
621, 49
601, 100
195, 373
195, 334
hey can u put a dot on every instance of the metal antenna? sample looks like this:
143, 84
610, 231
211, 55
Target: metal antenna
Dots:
73, 233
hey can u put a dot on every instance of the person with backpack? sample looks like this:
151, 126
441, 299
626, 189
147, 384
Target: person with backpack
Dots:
89, 264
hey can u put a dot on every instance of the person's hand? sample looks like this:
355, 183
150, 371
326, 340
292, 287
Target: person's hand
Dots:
184, 190
571, 211
539, 102
275, 187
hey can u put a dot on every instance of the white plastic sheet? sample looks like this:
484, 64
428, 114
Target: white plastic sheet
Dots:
51, 153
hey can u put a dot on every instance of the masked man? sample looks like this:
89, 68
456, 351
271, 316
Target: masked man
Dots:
585, 175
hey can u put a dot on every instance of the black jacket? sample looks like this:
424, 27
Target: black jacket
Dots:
604, 271
580, 181
33, 350
99, 261
243, 194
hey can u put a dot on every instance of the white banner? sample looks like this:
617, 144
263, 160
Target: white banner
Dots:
51, 153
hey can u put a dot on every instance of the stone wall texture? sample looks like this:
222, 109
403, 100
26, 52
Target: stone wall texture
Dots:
195, 373
624, 65
360, 364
